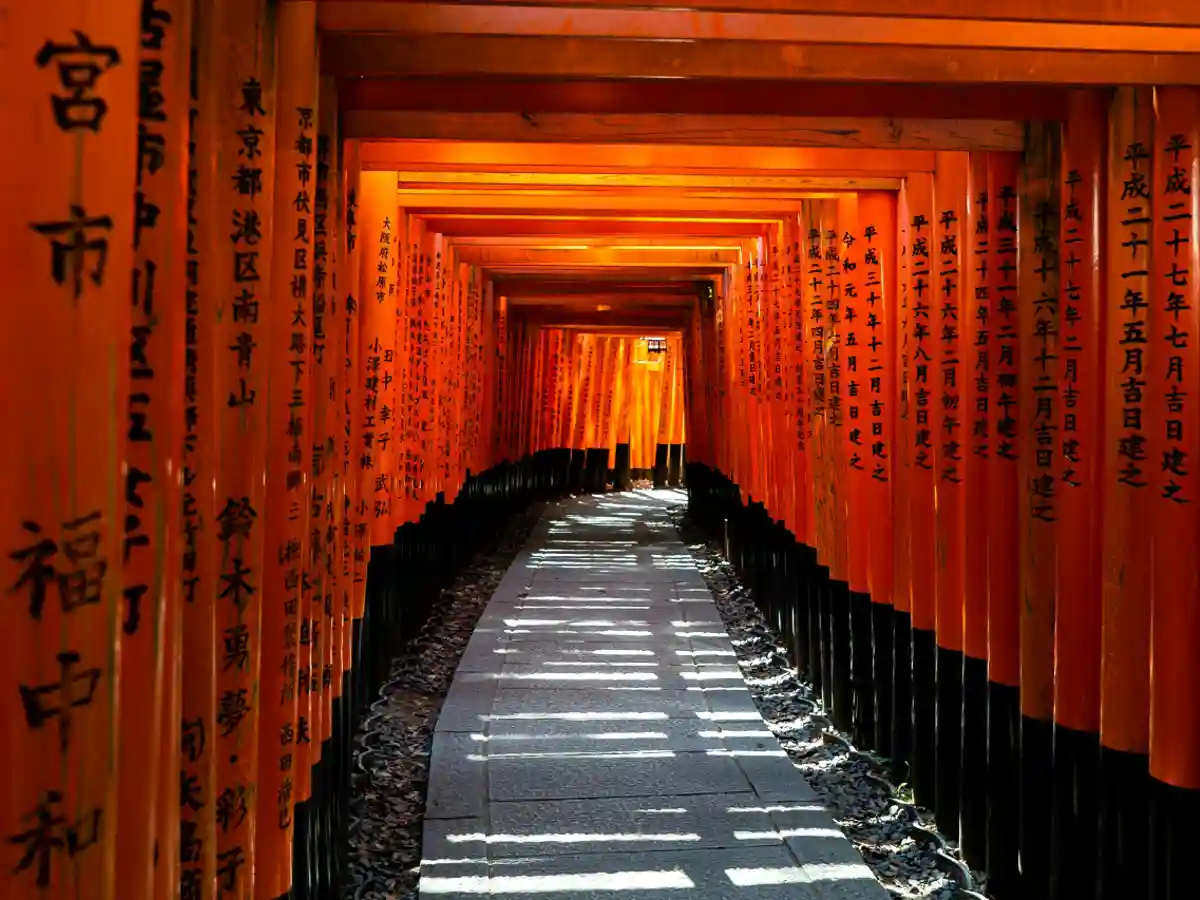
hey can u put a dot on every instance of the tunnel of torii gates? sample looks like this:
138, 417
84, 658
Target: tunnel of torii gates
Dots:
285, 341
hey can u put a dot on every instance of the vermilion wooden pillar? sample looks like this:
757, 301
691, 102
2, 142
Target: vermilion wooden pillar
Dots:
149, 802
1174, 428
1128, 474
950, 282
1038, 325
878, 358
287, 743
69, 229
202, 392
977, 354
1077, 581
923, 396
242, 41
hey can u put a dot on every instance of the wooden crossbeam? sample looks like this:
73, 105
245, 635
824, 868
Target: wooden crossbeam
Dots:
499, 56
775, 185
585, 228
556, 95
593, 204
640, 158
776, 131
897, 27
594, 257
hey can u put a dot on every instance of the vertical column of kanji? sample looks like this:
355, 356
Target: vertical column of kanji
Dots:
1175, 428
376, 222
435, 346
329, 486
949, 282
246, 46
71, 157
923, 345
502, 375
202, 390
403, 508
758, 419
876, 311
1127, 579
976, 380
837, 468
855, 438
817, 485
610, 401
902, 477
356, 534
285, 753
149, 686
1004, 654
801, 376
415, 347
1037, 323
1077, 586
780, 384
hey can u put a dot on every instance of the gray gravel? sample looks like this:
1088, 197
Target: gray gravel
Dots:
391, 759
876, 816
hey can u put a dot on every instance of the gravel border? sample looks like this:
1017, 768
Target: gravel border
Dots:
394, 741
899, 841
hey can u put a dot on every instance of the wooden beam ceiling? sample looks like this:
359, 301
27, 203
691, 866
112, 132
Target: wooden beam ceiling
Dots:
594, 257
774, 184
1166, 12
658, 128
609, 96
897, 26
581, 227
503, 56
670, 207
663, 159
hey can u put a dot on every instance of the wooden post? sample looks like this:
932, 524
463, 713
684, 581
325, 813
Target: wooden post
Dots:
70, 76
949, 282
1128, 469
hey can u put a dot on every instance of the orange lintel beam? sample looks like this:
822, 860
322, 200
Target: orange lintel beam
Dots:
545, 287
623, 273
643, 300
585, 228
801, 26
734, 183
628, 319
594, 204
651, 242
668, 158
1166, 12
554, 95
657, 128
521, 57
592, 257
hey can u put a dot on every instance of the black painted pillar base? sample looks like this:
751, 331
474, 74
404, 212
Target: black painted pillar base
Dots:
595, 470
303, 887
622, 474
803, 561
674, 464
883, 639
839, 634
924, 731
578, 471
1124, 824
1076, 786
902, 700
1174, 837
1037, 806
948, 749
1004, 786
660, 465
972, 836
862, 669
822, 595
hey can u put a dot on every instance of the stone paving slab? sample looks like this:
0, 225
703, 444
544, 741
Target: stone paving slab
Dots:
598, 739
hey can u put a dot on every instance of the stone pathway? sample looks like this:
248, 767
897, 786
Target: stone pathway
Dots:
599, 740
